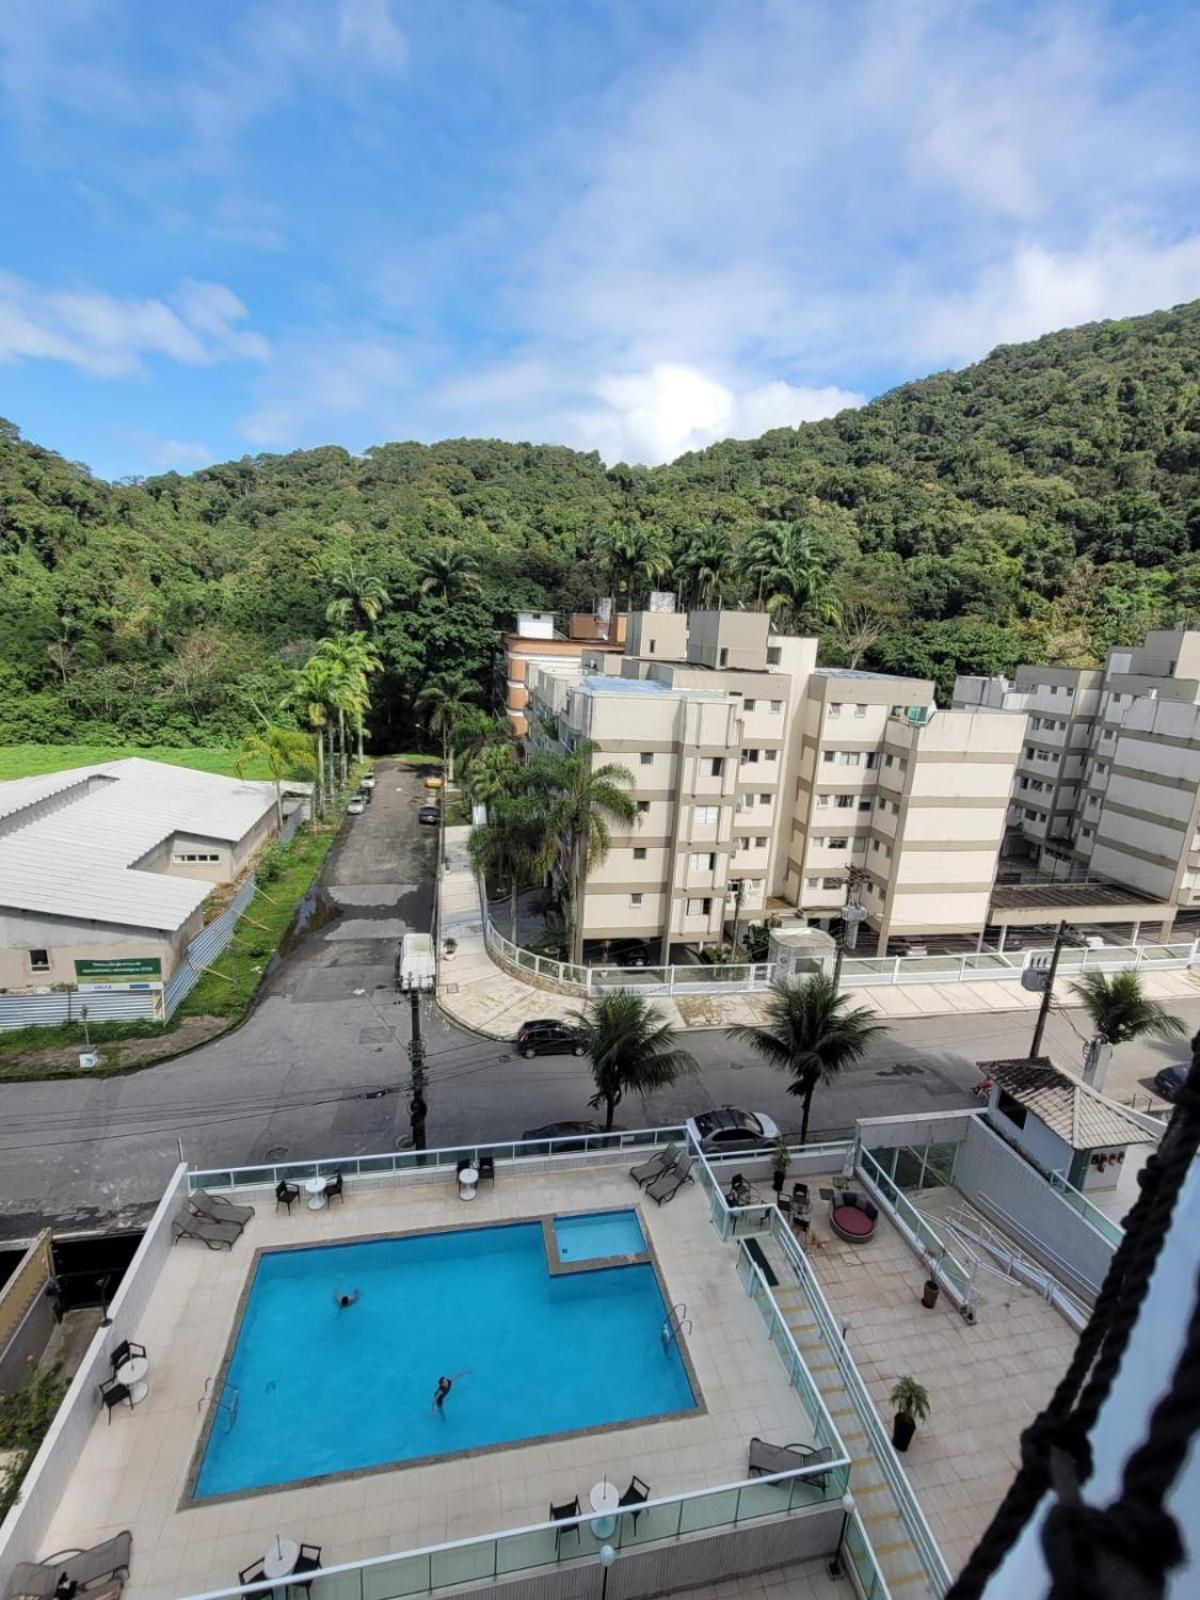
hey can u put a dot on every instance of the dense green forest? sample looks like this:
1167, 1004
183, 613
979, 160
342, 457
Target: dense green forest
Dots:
1043, 504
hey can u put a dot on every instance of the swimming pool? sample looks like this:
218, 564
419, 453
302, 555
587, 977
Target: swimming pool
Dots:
592, 1235
321, 1390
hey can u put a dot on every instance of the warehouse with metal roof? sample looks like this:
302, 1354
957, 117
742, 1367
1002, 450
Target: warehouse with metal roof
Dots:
104, 870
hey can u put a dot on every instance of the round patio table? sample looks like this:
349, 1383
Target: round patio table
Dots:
467, 1179
316, 1193
851, 1222
132, 1374
280, 1560
605, 1499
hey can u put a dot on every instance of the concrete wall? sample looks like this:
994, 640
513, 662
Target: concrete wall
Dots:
66, 941
23, 1530
26, 1315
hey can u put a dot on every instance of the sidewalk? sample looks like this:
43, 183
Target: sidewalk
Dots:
475, 992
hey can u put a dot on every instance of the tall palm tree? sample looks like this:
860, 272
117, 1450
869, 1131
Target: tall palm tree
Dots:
360, 660
490, 773
705, 567
448, 573
446, 699
582, 801
790, 575
359, 596
810, 1034
633, 554
512, 847
633, 1050
1119, 1010
309, 694
284, 750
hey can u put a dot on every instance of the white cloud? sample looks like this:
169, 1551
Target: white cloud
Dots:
110, 336
367, 28
319, 382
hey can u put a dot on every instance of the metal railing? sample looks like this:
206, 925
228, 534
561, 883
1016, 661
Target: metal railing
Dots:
689, 978
398, 1161
857, 1552
1104, 1225
954, 1275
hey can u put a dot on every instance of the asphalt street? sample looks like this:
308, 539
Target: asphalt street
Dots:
320, 1067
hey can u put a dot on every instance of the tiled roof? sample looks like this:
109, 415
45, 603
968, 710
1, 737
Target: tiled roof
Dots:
1069, 1107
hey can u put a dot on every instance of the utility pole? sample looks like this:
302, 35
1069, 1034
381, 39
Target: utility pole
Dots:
416, 1054
852, 915
1060, 938
416, 972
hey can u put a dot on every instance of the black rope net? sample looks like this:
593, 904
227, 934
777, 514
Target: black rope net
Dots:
1127, 1549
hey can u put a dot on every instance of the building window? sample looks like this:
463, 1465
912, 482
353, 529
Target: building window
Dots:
865, 803
703, 862
639, 852
850, 758
39, 961
749, 704
706, 814
635, 899
822, 799
643, 806
764, 799
776, 705
835, 708
874, 844
831, 883
860, 711
716, 766
653, 645
749, 755
1010, 1108
812, 883
774, 655
1087, 833
700, 908
1024, 783
723, 657
836, 844
889, 761
845, 801
647, 758
772, 755
872, 760
828, 755
196, 855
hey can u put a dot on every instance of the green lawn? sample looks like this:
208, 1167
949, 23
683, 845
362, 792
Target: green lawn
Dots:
31, 760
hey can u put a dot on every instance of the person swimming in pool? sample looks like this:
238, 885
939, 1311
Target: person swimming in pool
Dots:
444, 1386
344, 1301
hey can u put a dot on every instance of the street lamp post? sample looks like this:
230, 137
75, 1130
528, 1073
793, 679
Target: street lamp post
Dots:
607, 1556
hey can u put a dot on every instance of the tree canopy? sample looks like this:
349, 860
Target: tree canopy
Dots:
1042, 504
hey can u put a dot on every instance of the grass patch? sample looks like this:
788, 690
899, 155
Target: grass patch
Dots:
32, 760
25, 1415
419, 760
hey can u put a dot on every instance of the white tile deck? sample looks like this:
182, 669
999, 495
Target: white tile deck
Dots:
132, 1474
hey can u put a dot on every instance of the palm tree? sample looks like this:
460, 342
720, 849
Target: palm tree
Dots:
490, 772
359, 596
446, 699
809, 1033
361, 662
634, 553
476, 730
1119, 1010
283, 749
633, 1050
512, 847
581, 803
705, 567
309, 694
447, 573
790, 575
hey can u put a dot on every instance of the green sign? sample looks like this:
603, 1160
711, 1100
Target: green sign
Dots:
118, 969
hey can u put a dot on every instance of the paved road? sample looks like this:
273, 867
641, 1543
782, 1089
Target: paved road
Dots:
320, 1067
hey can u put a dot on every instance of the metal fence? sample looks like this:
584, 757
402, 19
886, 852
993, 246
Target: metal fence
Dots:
997, 965
206, 947
689, 978
103, 1005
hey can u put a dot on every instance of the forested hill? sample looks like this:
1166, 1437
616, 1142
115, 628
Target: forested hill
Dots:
1042, 504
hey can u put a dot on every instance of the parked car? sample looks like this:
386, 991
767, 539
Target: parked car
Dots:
364, 795
548, 1037
627, 953
433, 783
428, 815
357, 806
571, 1131
727, 1128
367, 781
1170, 1081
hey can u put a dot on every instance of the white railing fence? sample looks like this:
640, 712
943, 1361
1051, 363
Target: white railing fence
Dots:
686, 978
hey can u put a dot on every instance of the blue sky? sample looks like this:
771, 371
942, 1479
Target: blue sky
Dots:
634, 227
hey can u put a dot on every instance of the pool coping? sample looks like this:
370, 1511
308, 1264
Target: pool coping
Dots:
558, 1268
190, 1501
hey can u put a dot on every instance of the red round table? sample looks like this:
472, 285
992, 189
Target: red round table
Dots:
851, 1222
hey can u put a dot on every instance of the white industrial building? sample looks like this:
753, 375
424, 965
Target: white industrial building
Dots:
104, 870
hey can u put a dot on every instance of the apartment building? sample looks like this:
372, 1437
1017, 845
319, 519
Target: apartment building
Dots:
1108, 784
538, 642
764, 783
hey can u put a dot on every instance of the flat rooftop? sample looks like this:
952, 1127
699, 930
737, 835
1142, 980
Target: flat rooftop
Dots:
133, 1473
1068, 897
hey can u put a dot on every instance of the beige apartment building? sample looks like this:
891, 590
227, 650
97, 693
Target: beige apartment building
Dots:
766, 784
538, 642
1108, 784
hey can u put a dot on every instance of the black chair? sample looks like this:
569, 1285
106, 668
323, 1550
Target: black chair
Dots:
487, 1169
127, 1350
560, 1514
636, 1495
309, 1560
334, 1189
115, 1394
286, 1194
801, 1204
462, 1164
254, 1573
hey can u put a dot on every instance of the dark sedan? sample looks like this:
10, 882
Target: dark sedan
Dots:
548, 1038
1170, 1081
428, 815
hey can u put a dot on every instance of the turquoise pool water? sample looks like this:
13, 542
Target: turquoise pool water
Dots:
323, 1390
596, 1234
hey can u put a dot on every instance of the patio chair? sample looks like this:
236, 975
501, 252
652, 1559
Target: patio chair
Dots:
801, 1204
127, 1350
461, 1165
560, 1514
114, 1393
636, 1495
286, 1194
486, 1169
106, 1563
216, 1235
218, 1208
739, 1193
334, 1189
671, 1181
309, 1560
767, 1458
661, 1161
256, 1572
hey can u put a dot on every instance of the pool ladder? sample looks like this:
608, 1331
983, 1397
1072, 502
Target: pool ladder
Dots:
227, 1404
677, 1322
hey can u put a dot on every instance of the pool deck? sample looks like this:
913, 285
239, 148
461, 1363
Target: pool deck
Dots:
132, 1473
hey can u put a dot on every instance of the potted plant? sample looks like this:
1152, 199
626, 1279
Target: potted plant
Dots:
780, 1162
911, 1401
932, 1288
449, 946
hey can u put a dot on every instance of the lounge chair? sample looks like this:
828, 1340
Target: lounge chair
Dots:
309, 1560
560, 1514
636, 1495
127, 1350
106, 1563
216, 1235
661, 1161
334, 1188
218, 1208
486, 1169
768, 1458
286, 1194
672, 1180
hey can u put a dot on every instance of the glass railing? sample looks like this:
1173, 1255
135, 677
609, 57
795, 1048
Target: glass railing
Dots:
857, 1553
1112, 1231
418, 1160
917, 1228
570, 1542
